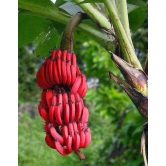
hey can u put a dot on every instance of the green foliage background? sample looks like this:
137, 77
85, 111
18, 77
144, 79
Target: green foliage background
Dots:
114, 121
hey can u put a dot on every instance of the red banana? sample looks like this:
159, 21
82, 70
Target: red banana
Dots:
63, 67
49, 141
82, 85
55, 73
66, 113
65, 132
85, 90
68, 57
53, 55
59, 102
64, 74
58, 115
82, 139
68, 73
51, 63
43, 101
72, 107
60, 148
49, 96
73, 74
41, 80
64, 55
47, 71
75, 127
52, 113
68, 69
43, 114
70, 129
76, 141
55, 134
87, 137
69, 143
71, 98
76, 85
53, 101
80, 127
78, 111
85, 115
73, 59
59, 65
78, 106
65, 98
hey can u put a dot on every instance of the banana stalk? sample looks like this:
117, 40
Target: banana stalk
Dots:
68, 39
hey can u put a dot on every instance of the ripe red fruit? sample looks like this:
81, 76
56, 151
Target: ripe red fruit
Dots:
61, 105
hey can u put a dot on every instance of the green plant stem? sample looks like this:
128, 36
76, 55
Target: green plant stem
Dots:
104, 38
123, 16
114, 4
95, 15
127, 49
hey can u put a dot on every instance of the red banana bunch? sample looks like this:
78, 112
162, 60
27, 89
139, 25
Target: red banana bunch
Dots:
61, 106
61, 70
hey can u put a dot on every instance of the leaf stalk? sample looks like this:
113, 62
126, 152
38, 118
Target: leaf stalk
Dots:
127, 49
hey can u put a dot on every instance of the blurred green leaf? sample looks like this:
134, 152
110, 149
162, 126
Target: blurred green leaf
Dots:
58, 26
136, 18
29, 28
46, 41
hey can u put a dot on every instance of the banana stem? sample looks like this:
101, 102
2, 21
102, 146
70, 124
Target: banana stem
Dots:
79, 154
114, 5
95, 15
67, 38
123, 16
127, 49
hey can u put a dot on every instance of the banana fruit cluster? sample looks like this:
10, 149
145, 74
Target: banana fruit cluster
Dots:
61, 106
